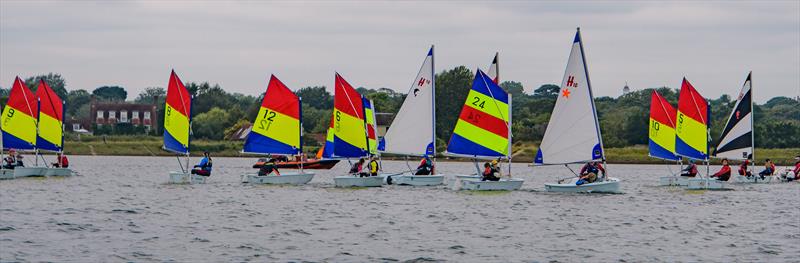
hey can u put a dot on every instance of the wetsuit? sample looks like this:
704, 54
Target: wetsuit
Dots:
425, 167
204, 167
267, 169
489, 175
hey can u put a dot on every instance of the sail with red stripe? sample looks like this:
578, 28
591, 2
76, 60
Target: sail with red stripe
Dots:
349, 128
276, 129
177, 116
482, 129
19, 118
51, 119
662, 128
372, 136
692, 123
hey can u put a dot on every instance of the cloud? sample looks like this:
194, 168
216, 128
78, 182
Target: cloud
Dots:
238, 44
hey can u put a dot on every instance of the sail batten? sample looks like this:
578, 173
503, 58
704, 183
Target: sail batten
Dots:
412, 130
736, 140
573, 132
276, 128
662, 128
19, 129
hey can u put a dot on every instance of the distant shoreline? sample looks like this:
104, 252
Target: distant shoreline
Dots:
523, 152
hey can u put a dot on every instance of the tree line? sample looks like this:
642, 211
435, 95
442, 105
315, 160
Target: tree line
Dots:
623, 120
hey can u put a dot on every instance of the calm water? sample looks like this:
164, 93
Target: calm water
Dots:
120, 209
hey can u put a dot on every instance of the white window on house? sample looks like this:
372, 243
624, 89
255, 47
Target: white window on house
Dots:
112, 115
99, 117
135, 115
146, 115
123, 116
76, 126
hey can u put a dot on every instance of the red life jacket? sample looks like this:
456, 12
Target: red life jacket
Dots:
64, 161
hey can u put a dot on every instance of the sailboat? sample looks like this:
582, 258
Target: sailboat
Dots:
692, 133
50, 126
662, 136
19, 127
483, 131
573, 132
350, 137
277, 129
177, 128
413, 130
737, 140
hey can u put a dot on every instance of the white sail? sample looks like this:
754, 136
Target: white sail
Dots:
412, 131
494, 69
736, 141
573, 133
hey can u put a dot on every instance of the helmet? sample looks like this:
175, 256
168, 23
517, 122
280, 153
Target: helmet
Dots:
494, 162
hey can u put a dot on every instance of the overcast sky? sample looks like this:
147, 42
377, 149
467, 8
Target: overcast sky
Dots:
134, 44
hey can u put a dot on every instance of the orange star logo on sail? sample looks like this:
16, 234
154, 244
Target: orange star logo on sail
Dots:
565, 93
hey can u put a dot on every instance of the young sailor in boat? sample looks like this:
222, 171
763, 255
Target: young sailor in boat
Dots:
204, 167
358, 169
690, 170
373, 166
268, 168
743, 169
489, 173
61, 161
425, 166
724, 173
796, 168
496, 168
589, 173
11, 160
769, 169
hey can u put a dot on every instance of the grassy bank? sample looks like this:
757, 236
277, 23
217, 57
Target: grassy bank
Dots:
523, 152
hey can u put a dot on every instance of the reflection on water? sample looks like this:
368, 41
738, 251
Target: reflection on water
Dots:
120, 209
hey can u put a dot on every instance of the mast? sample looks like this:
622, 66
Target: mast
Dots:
752, 123
591, 99
38, 115
510, 136
497, 70
433, 107
300, 112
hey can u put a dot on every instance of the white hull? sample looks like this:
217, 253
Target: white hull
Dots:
471, 176
186, 178
284, 178
6, 174
57, 172
707, 184
353, 181
674, 181
756, 179
28, 171
610, 185
502, 185
418, 180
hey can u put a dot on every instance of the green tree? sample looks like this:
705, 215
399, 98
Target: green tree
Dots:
149, 94
514, 88
54, 80
549, 91
316, 97
77, 100
211, 124
452, 87
110, 93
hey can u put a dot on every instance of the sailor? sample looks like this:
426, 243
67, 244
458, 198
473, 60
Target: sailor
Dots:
743, 169
425, 166
724, 173
690, 170
204, 167
496, 168
589, 173
61, 161
11, 160
373, 166
268, 168
357, 168
769, 169
797, 168
488, 173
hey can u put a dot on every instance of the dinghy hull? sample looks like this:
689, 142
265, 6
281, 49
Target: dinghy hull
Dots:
58, 172
707, 184
502, 185
753, 179
610, 185
6, 174
29, 172
186, 178
418, 180
284, 178
673, 181
352, 181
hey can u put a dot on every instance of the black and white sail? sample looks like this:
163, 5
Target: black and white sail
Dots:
736, 141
